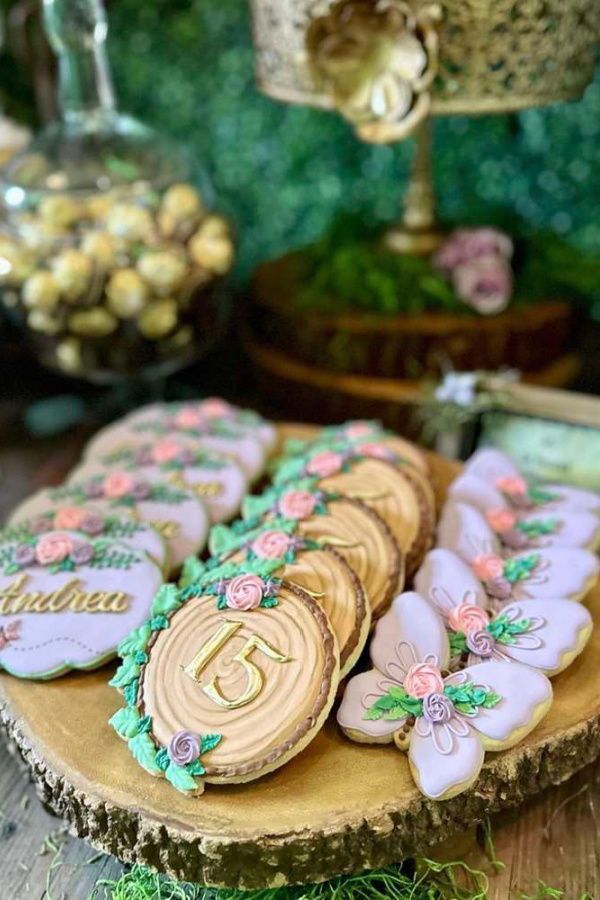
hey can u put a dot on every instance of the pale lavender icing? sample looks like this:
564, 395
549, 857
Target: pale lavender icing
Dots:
446, 581
190, 516
480, 494
222, 506
52, 643
575, 528
446, 755
463, 530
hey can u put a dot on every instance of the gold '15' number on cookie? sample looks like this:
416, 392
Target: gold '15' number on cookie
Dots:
254, 676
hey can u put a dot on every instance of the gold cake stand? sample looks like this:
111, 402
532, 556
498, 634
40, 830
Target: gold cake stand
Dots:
337, 807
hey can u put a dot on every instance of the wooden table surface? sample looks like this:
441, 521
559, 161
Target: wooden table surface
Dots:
554, 838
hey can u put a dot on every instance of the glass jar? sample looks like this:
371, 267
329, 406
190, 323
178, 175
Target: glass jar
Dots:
108, 254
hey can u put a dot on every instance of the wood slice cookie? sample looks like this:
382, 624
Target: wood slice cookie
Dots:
319, 571
233, 684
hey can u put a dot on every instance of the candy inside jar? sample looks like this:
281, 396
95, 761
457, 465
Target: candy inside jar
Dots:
109, 255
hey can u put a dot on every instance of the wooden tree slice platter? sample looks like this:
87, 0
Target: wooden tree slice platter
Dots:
337, 807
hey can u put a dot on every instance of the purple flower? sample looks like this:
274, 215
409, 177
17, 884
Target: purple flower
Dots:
24, 555
40, 525
480, 642
500, 588
437, 708
140, 490
184, 748
484, 283
82, 553
143, 456
94, 489
515, 539
93, 523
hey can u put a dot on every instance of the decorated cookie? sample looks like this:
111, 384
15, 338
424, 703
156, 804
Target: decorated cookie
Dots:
564, 528
545, 634
318, 570
374, 474
91, 522
67, 599
218, 481
212, 408
178, 515
359, 432
445, 723
566, 572
212, 435
227, 681
357, 533
498, 470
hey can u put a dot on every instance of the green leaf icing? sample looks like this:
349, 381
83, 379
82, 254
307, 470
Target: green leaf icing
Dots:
209, 742
126, 673
180, 778
192, 571
166, 600
540, 495
458, 643
395, 704
143, 750
126, 722
520, 568
504, 631
536, 527
467, 697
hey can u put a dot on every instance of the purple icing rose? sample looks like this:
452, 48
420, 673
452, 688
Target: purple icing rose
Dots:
24, 555
437, 708
500, 588
481, 643
82, 553
515, 539
94, 489
93, 523
184, 748
143, 456
140, 490
40, 525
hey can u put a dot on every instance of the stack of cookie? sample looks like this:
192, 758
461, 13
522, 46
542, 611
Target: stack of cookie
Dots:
500, 589
91, 554
240, 664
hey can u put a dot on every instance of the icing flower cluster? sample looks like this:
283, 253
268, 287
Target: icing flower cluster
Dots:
516, 534
122, 489
243, 592
521, 494
61, 552
499, 575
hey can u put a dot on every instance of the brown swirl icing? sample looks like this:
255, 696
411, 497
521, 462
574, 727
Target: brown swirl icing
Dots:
295, 698
364, 541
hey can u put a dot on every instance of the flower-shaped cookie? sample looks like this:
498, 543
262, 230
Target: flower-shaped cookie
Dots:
545, 634
445, 721
499, 482
566, 572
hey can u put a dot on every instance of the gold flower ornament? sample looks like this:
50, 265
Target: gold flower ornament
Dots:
376, 59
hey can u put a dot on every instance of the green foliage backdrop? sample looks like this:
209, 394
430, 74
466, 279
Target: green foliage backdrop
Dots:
283, 173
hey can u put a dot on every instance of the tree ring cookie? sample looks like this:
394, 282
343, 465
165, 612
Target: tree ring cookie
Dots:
373, 474
273, 548
114, 525
178, 515
357, 533
67, 599
226, 684
219, 482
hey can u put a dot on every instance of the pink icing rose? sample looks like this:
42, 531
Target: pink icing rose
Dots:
470, 243
500, 520
244, 592
69, 517
297, 504
188, 417
423, 679
118, 484
165, 451
53, 548
213, 408
467, 617
488, 566
325, 464
358, 429
271, 544
484, 283
374, 451
513, 485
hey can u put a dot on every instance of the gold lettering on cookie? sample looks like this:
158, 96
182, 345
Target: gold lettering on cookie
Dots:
169, 530
201, 489
69, 598
254, 676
